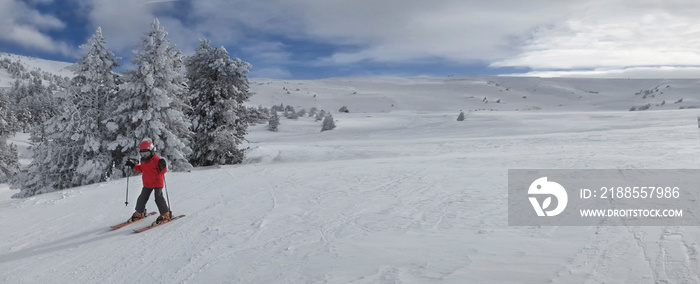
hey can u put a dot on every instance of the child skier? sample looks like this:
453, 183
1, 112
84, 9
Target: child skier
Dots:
153, 169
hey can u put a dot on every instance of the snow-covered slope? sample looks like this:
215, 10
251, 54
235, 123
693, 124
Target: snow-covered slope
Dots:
399, 192
31, 63
478, 94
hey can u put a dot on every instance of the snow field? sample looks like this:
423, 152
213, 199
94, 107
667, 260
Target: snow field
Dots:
402, 194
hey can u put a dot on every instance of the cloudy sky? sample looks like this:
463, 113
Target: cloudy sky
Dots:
309, 39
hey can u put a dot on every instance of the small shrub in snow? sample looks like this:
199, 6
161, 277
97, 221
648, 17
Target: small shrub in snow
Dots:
313, 111
290, 113
257, 115
344, 109
277, 108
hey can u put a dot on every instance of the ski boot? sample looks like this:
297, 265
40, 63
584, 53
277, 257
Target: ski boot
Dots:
137, 216
163, 218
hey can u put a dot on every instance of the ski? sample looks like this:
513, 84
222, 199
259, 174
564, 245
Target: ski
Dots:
129, 222
156, 225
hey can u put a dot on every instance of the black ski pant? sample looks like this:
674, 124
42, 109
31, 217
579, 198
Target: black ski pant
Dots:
146, 194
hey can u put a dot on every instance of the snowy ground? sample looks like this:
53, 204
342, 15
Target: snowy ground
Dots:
400, 192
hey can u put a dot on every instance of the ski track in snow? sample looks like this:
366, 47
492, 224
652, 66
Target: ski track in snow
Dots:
388, 197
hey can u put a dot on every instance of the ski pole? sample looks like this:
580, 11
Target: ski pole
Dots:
165, 183
127, 189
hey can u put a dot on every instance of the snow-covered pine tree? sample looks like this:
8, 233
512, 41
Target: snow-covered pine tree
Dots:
33, 104
255, 115
313, 111
274, 122
218, 87
264, 112
277, 108
95, 88
151, 103
460, 117
328, 123
320, 115
9, 161
75, 152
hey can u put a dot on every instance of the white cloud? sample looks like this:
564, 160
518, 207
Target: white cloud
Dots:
29, 37
664, 72
40, 1
268, 51
616, 35
32, 17
122, 22
271, 72
399, 31
23, 25
595, 35
381, 31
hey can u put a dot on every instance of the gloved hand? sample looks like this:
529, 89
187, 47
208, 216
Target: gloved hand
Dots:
130, 163
162, 165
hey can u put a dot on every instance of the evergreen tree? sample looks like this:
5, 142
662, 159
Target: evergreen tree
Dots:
274, 122
320, 115
218, 89
33, 103
9, 161
75, 151
460, 117
151, 103
293, 115
94, 88
328, 123
313, 111
277, 108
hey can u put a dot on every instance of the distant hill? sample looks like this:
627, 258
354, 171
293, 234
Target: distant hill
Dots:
31, 63
367, 95
491, 93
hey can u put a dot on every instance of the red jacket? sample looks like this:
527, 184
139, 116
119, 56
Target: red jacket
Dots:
151, 176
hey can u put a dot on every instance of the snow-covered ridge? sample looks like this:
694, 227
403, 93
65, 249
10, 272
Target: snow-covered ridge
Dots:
451, 93
32, 63
479, 94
